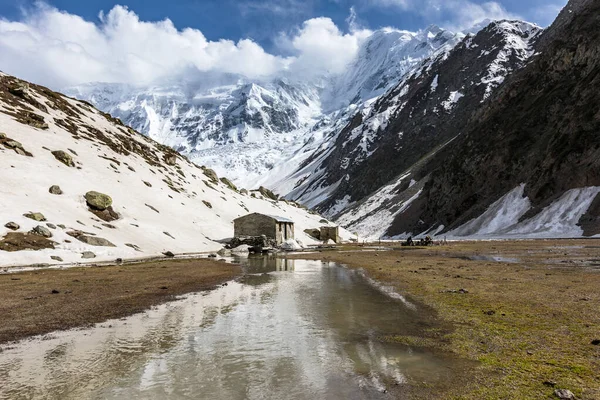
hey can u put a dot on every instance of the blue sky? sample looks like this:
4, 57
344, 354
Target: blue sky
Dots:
260, 20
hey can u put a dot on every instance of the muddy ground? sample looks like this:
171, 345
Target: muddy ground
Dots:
42, 301
526, 311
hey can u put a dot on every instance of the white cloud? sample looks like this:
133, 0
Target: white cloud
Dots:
453, 14
56, 48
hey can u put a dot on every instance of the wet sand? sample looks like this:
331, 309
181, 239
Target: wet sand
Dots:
41, 301
526, 311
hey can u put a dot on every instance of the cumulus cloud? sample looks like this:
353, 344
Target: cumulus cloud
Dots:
57, 49
454, 14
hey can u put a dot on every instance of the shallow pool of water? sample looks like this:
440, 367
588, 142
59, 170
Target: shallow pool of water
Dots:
288, 329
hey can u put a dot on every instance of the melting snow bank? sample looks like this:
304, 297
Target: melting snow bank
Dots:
559, 219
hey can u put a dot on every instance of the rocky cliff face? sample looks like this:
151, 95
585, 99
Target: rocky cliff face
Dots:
527, 162
431, 105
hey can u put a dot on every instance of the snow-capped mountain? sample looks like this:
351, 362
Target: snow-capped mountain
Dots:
77, 181
254, 131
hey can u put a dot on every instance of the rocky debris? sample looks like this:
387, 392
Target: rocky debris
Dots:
212, 175
212, 256
12, 226
42, 231
91, 240
21, 89
64, 157
564, 394
55, 189
17, 241
98, 201
459, 291
169, 254
290, 245
36, 216
14, 145
51, 226
314, 233
56, 258
54, 291
147, 184
169, 235
207, 204
88, 255
595, 342
229, 184
244, 191
61, 226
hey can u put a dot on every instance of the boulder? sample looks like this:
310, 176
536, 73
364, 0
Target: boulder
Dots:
244, 191
51, 226
242, 249
13, 144
55, 189
98, 201
169, 254
2, 135
13, 226
290, 245
212, 175
42, 231
21, 89
564, 394
229, 184
88, 254
94, 241
64, 158
56, 258
39, 217
267, 193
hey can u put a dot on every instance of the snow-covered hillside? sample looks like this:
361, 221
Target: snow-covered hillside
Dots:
54, 150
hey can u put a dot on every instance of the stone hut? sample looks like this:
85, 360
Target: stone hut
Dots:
278, 228
330, 233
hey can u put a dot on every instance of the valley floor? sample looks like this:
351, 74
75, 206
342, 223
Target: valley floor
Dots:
526, 311
41, 301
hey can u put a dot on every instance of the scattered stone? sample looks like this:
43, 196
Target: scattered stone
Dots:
54, 291
133, 246
73, 151
169, 254
147, 184
119, 261
207, 204
55, 189
88, 255
549, 383
12, 226
489, 312
2, 135
169, 235
229, 184
56, 258
596, 342
61, 226
91, 240
109, 226
63, 157
98, 201
42, 231
51, 226
152, 208
244, 191
21, 89
564, 394
212, 256
39, 217
212, 175
460, 291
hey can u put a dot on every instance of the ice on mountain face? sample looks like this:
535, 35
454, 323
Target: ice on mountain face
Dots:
452, 100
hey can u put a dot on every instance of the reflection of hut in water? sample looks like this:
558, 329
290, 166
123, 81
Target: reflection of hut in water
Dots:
278, 228
330, 233
283, 264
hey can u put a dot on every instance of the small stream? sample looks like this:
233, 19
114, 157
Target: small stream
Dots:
286, 330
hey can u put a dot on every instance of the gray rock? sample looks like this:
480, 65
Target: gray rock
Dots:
12, 226
88, 254
212, 175
13, 144
64, 157
61, 226
51, 226
42, 231
36, 216
55, 189
97, 200
95, 241
169, 254
170, 159
56, 258
2, 135
564, 394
